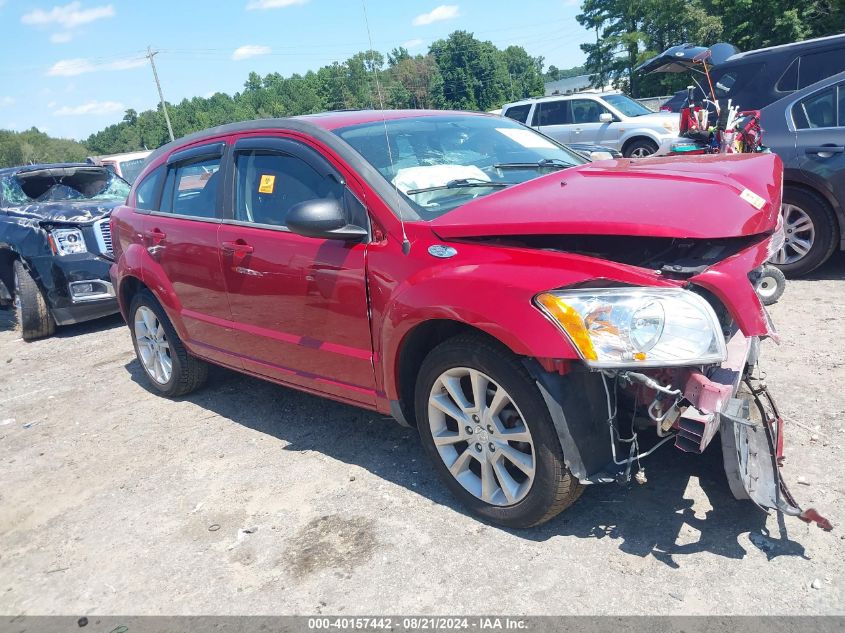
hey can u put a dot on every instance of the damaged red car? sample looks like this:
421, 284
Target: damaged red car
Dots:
544, 322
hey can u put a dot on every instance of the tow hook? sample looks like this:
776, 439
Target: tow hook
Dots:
752, 445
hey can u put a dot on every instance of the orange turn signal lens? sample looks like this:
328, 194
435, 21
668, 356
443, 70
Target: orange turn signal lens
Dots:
571, 322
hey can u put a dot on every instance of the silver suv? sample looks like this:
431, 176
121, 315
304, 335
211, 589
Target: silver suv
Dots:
610, 119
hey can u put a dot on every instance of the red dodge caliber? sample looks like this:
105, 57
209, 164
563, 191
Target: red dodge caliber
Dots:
544, 322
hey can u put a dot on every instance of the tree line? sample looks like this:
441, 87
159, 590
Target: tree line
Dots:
628, 32
458, 72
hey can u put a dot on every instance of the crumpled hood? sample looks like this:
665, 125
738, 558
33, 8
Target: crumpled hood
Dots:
699, 197
66, 210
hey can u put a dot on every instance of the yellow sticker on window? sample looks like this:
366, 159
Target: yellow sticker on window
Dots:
267, 184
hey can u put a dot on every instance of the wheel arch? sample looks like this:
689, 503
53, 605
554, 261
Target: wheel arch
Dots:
7, 275
797, 179
639, 135
414, 347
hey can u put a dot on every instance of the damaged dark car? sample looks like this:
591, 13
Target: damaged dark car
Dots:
55, 244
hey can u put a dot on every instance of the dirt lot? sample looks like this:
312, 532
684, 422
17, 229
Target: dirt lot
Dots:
251, 498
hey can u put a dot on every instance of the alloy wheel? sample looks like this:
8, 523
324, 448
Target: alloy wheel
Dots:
481, 436
799, 235
641, 152
153, 348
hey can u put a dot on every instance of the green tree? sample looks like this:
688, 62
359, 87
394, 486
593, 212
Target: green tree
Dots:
473, 75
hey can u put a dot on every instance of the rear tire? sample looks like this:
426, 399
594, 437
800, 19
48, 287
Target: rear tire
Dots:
34, 316
822, 236
640, 148
170, 369
532, 497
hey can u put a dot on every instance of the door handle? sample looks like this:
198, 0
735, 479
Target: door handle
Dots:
155, 236
239, 250
825, 149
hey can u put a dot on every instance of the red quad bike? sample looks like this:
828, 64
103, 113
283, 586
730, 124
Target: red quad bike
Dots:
529, 312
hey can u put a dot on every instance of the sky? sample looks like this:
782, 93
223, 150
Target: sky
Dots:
72, 68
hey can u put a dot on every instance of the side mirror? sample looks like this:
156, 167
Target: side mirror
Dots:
606, 117
323, 218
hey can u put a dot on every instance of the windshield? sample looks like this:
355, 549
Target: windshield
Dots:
439, 163
626, 105
64, 183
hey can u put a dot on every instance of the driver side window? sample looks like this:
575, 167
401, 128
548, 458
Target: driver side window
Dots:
587, 111
269, 184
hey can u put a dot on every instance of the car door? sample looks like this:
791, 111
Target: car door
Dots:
299, 304
587, 126
820, 132
553, 119
181, 236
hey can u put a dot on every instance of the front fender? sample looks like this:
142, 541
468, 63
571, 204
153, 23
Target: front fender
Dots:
492, 290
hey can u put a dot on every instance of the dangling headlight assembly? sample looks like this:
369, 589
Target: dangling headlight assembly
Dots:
637, 327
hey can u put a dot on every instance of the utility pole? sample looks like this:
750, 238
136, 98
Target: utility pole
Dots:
150, 54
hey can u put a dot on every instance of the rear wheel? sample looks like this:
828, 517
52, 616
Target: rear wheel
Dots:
810, 232
169, 367
640, 148
34, 316
489, 433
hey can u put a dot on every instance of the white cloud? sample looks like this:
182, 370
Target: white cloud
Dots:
414, 43
6, 101
68, 16
92, 107
438, 14
254, 5
62, 37
81, 66
250, 50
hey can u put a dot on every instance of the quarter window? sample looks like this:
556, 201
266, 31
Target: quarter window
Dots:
191, 189
270, 183
519, 113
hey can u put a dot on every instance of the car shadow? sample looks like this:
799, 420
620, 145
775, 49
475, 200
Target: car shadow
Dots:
656, 519
8, 320
102, 324
832, 270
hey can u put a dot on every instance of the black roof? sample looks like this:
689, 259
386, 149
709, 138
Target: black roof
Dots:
10, 171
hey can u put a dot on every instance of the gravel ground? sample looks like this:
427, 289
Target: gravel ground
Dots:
250, 498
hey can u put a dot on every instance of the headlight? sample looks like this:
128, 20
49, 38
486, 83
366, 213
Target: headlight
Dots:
68, 241
672, 126
778, 238
637, 327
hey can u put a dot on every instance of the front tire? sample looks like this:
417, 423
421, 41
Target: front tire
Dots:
810, 231
33, 314
640, 148
488, 431
170, 369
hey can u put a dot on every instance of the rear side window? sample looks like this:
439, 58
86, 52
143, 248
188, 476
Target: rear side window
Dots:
270, 183
191, 188
817, 111
518, 113
147, 190
552, 113
818, 66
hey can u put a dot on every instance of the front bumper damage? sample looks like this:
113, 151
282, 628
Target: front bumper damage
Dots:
728, 400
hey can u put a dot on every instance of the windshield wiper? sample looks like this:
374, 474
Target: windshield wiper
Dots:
459, 183
544, 163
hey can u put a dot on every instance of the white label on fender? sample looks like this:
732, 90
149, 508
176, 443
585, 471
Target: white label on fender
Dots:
752, 198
